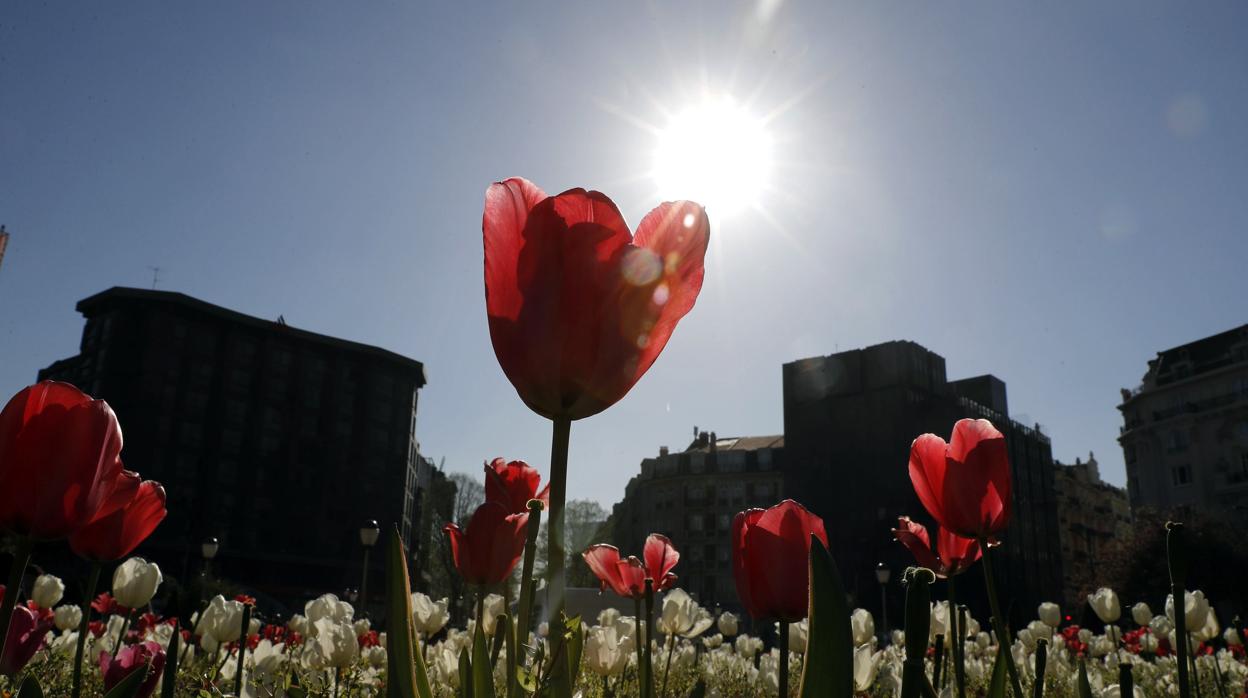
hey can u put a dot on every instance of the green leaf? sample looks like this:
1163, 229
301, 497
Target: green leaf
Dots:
831, 638
465, 674
406, 676
526, 679
30, 688
513, 660
297, 692
482, 670
996, 684
129, 686
171, 665
699, 690
576, 647
1085, 688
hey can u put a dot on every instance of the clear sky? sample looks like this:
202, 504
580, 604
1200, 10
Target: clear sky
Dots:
1050, 193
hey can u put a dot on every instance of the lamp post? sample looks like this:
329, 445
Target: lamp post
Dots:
209, 550
369, 533
882, 574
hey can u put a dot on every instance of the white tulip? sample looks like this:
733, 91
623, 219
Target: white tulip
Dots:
1161, 626
494, 606
608, 616
1040, 630
798, 633
1141, 614
1114, 633
135, 582
223, 620
335, 644
898, 638
681, 615
67, 618
1231, 636
939, 624
1209, 630
1085, 636
47, 591
297, 624
862, 626
712, 642
866, 665
268, 658
445, 664
376, 657
543, 629
1196, 609
1113, 691
327, 606
747, 646
727, 624
1148, 642
1050, 614
604, 652
362, 626
429, 616
1027, 638
1105, 603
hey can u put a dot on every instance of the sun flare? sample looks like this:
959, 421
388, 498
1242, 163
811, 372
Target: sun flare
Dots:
715, 153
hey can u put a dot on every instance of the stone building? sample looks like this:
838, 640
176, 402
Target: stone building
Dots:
278, 441
1185, 428
691, 496
1092, 517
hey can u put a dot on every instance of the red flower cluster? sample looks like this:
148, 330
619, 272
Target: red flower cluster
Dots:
105, 604
1070, 634
627, 577
770, 559
369, 639
489, 549
579, 307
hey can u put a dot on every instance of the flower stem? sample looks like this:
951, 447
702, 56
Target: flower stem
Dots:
959, 640
83, 627
121, 634
242, 650
782, 671
667, 668
649, 687
1004, 640
525, 615
1176, 561
641, 662
558, 493
21, 556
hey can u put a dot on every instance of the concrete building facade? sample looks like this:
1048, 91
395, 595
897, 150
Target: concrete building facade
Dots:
1092, 517
1185, 428
278, 441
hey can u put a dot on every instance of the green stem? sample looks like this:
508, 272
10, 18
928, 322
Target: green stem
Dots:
1126, 683
1191, 643
782, 671
1177, 563
1042, 657
525, 614
121, 634
558, 493
84, 625
242, 650
959, 640
641, 662
649, 626
21, 556
1004, 641
667, 668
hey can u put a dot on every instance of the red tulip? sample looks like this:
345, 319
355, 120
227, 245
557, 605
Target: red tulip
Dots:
965, 484
488, 551
954, 554
579, 308
627, 577
140, 509
59, 460
771, 558
26, 632
513, 485
130, 659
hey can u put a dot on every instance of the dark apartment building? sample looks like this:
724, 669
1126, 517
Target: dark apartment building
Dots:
691, 496
278, 441
849, 420
1093, 517
1185, 428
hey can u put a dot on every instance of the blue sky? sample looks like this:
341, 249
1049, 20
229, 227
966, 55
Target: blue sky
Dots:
1047, 193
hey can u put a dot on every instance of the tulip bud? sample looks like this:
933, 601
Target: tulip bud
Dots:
297, 624
362, 626
253, 627
608, 616
1141, 614
135, 582
1231, 636
47, 591
1050, 614
67, 618
727, 624
863, 626
495, 605
1105, 603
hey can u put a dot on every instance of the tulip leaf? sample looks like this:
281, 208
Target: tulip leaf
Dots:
1085, 688
465, 674
406, 676
482, 669
996, 684
576, 646
30, 688
129, 687
513, 659
171, 665
831, 637
297, 692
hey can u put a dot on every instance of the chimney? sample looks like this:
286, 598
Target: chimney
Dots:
662, 451
713, 442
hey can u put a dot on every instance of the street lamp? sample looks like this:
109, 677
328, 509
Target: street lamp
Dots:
369, 533
882, 573
209, 550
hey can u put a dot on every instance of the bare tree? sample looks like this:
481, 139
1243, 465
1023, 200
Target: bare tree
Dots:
469, 494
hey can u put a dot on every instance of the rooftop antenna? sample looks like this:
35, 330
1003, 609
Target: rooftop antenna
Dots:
155, 276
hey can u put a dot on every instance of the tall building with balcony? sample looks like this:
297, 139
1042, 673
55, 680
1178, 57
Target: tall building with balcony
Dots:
849, 421
1185, 428
1092, 516
691, 496
278, 441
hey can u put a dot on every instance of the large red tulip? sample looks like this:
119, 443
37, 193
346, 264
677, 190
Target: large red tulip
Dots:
964, 484
111, 537
513, 485
771, 558
579, 307
59, 460
488, 551
627, 576
954, 554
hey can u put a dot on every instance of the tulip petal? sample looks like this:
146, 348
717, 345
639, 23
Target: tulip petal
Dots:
513, 484
927, 473
661, 556
957, 553
117, 534
779, 548
507, 206
602, 559
742, 566
914, 536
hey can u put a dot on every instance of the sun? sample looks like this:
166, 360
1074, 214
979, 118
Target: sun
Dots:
715, 153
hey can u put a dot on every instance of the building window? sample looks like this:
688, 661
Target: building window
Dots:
1176, 441
1181, 475
724, 521
764, 459
695, 522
